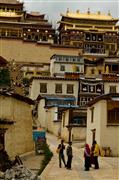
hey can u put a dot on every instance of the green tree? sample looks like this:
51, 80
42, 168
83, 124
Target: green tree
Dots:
4, 77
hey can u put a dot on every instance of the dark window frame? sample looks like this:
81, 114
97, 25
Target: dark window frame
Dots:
112, 89
58, 88
113, 116
43, 87
62, 68
70, 88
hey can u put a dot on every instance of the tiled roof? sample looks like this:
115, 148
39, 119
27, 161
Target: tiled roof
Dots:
54, 78
18, 97
105, 96
36, 14
3, 61
55, 96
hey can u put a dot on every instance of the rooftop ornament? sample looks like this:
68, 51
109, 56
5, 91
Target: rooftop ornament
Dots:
67, 11
78, 12
88, 12
109, 14
99, 12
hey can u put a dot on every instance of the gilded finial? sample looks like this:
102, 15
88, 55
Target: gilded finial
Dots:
67, 10
78, 11
109, 13
99, 12
88, 12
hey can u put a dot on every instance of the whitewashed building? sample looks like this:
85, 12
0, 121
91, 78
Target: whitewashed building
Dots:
103, 122
111, 83
60, 64
54, 86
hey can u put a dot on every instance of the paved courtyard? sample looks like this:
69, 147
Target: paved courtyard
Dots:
109, 166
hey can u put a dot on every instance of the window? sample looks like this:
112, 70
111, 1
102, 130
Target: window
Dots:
92, 88
93, 37
92, 114
59, 115
84, 87
77, 68
58, 88
112, 47
98, 88
115, 68
100, 37
70, 88
88, 37
62, 68
44, 38
112, 89
113, 116
43, 87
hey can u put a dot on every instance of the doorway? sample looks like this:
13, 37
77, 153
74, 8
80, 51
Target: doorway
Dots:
93, 134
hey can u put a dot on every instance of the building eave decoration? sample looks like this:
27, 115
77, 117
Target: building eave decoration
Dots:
9, 14
88, 15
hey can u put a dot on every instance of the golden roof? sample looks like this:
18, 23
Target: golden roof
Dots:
88, 15
10, 1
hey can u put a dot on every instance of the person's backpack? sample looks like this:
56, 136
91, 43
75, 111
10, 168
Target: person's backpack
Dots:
58, 149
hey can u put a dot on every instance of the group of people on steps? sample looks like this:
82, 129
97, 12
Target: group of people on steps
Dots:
90, 155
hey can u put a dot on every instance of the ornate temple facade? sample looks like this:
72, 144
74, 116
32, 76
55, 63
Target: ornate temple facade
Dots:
16, 23
94, 33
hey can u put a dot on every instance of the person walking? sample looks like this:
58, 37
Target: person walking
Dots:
96, 153
61, 148
87, 157
69, 153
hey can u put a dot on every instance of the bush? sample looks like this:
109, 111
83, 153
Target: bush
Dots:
47, 157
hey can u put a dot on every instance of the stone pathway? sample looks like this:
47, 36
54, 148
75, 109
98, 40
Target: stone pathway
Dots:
32, 161
109, 167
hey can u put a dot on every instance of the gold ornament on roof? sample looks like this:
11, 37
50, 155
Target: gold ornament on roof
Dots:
67, 11
89, 15
109, 13
99, 12
88, 12
78, 11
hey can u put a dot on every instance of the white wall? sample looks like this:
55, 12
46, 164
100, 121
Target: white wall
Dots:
95, 125
107, 87
69, 67
41, 121
35, 87
106, 136
18, 136
47, 118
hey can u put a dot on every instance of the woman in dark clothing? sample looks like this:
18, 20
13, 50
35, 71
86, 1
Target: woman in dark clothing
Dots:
69, 155
87, 157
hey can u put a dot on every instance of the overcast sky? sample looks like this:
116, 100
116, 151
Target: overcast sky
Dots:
53, 8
